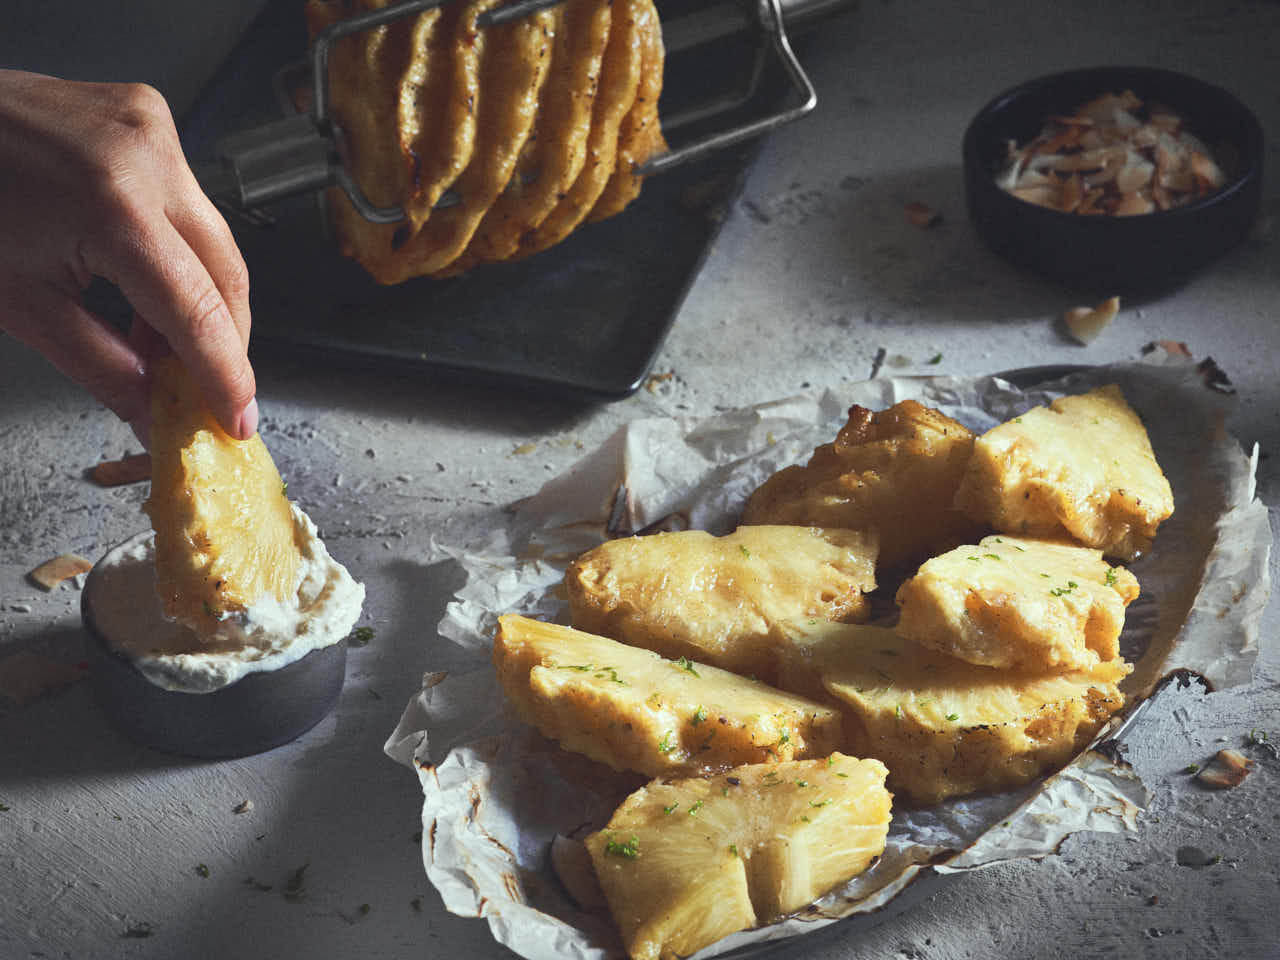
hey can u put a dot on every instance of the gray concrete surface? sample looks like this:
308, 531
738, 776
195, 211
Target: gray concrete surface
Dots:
815, 273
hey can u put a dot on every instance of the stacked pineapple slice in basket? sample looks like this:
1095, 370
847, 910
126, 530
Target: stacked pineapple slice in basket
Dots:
740, 673
533, 127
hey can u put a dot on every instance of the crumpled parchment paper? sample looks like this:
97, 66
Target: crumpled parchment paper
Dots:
496, 793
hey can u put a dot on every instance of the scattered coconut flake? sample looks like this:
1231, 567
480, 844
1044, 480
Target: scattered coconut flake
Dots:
1227, 769
26, 676
52, 572
1086, 324
116, 473
922, 215
244, 806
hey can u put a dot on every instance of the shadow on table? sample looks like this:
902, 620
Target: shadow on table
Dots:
858, 231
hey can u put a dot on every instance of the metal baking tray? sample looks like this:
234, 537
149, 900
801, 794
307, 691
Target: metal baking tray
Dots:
587, 316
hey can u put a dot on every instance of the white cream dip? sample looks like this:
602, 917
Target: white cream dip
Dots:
125, 608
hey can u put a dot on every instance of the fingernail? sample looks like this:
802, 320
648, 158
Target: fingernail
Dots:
249, 420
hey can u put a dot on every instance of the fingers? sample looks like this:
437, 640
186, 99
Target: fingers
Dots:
116, 199
195, 217
82, 346
171, 289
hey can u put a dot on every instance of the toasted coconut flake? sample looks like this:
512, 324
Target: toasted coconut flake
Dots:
1227, 769
52, 572
26, 676
1205, 170
1135, 175
1141, 156
922, 215
116, 473
1174, 348
1042, 196
1086, 324
1072, 194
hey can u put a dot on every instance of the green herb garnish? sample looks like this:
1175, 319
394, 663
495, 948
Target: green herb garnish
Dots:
360, 637
745, 552
665, 745
630, 849
935, 359
671, 809
699, 716
952, 717
693, 811
202, 870
1111, 576
684, 663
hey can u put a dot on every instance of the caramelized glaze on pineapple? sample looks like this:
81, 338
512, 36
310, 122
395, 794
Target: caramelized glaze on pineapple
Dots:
634, 710
1083, 466
224, 528
1015, 602
721, 600
947, 728
684, 863
894, 471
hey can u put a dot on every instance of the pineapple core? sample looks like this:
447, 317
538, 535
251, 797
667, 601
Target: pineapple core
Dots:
684, 863
224, 528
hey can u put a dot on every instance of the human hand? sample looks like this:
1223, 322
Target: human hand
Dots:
93, 182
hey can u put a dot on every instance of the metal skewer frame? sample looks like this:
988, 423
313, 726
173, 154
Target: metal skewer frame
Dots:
298, 154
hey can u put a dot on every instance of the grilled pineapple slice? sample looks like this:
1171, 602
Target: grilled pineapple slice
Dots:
634, 710
684, 863
224, 528
721, 600
1083, 466
1014, 602
945, 727
895, 472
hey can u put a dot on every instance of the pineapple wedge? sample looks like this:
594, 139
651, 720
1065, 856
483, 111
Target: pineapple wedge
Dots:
947, 728
1014, 602
894, 471
721, 600
224, 527
633, 710
684, 863
1083, 466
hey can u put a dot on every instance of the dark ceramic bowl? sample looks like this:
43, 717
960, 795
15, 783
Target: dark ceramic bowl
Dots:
258, 712
1105, 255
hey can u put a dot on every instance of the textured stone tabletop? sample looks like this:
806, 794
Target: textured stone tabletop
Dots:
110, 850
